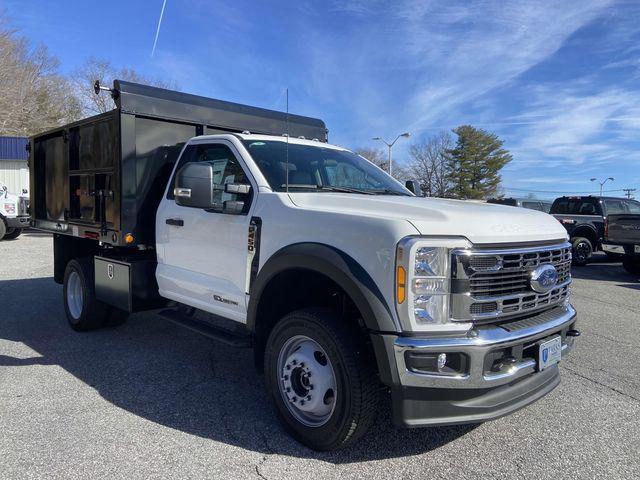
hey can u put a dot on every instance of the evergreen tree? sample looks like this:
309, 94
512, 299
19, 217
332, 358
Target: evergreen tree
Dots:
473, 166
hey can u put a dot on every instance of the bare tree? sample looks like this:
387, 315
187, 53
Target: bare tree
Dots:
375, 156
34, 96
104, 71
379, 159
428, 164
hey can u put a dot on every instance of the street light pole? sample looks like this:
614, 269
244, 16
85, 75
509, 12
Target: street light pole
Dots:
390, 145
603, 182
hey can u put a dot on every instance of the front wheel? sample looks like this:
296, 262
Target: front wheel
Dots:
12, 233
582, 250
319, 374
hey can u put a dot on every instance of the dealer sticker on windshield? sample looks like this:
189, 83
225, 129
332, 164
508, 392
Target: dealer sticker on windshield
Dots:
550, 353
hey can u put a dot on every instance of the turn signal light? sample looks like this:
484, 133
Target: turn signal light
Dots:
128, 239
401, 284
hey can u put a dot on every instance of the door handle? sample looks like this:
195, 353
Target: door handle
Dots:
176, 222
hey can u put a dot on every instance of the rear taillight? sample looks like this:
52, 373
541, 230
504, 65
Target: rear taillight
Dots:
606, 227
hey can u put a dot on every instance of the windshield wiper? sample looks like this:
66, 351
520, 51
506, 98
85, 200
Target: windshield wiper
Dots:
329, 188
386, 191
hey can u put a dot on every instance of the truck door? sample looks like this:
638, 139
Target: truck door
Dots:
202, 253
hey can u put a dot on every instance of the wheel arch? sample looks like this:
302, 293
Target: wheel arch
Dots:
587, 231
291, 266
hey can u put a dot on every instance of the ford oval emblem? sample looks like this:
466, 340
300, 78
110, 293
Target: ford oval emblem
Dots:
544, 278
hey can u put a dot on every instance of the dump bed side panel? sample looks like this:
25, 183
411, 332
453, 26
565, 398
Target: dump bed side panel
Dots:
75, 177
150, 148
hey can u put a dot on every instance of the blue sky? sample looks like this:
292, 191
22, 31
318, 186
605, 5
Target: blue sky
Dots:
558, 81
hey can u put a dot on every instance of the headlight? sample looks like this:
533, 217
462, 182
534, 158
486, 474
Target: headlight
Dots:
423, 283
10, 208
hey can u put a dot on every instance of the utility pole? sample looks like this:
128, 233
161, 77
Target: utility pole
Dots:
628, 191
390, 145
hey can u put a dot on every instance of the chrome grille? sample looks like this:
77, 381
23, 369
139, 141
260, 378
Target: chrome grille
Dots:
496, 283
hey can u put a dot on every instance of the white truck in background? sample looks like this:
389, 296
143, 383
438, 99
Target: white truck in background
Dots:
346, 285
14, 213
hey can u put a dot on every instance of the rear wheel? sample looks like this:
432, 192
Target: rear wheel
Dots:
631, 264
582, 250
12, 233
319, 374
84, 311
3, 229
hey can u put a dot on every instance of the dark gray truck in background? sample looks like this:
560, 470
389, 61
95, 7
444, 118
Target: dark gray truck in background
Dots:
586, 219
623, 237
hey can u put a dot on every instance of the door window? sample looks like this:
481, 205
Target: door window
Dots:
226, 169
615, 206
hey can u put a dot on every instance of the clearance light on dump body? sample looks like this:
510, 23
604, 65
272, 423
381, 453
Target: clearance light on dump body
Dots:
128, 239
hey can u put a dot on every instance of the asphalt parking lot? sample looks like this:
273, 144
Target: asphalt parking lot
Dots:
150, 399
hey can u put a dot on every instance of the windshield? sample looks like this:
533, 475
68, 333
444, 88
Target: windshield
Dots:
317, 168
618, 206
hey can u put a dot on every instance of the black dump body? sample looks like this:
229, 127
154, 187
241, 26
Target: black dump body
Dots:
103, 177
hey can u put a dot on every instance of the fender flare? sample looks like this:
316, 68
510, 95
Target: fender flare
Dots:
586, 226
335, 265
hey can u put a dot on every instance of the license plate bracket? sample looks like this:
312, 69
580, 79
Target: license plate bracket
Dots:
549, 352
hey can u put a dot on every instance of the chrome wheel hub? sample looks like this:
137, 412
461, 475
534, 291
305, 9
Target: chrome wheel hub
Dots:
307, 381
74, 295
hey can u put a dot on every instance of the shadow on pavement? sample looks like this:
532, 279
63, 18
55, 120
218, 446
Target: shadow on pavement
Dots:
601, 268
171, 376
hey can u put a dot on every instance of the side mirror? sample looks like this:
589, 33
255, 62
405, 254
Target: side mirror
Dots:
194, 185
413, 187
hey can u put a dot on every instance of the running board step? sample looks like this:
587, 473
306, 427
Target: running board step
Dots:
221, 335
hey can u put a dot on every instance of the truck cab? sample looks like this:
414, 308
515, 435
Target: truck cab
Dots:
349, 289
14, 213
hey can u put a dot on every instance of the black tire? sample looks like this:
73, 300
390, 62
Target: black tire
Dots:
357, 386
3, 229
631, 265
12, 233
91, 313
581, 251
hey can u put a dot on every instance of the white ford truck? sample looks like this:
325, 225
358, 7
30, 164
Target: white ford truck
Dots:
14, 213
349, 288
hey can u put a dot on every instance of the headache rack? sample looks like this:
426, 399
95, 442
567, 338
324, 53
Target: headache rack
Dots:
495, 284
103, 177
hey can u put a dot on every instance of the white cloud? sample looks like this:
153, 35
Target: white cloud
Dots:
579, 128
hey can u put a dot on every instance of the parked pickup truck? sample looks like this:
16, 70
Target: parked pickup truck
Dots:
14, 213
623, 238
585, 219
530, 203
347, 286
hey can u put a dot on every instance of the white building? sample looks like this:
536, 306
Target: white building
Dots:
14, 171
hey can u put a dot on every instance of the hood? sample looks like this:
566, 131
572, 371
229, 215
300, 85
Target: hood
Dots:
478, 222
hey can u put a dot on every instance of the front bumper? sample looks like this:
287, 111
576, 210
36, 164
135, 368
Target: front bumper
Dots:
608, 247
488, 388
18, 222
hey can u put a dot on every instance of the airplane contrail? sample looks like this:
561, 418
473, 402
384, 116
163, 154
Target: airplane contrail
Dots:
155, 40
